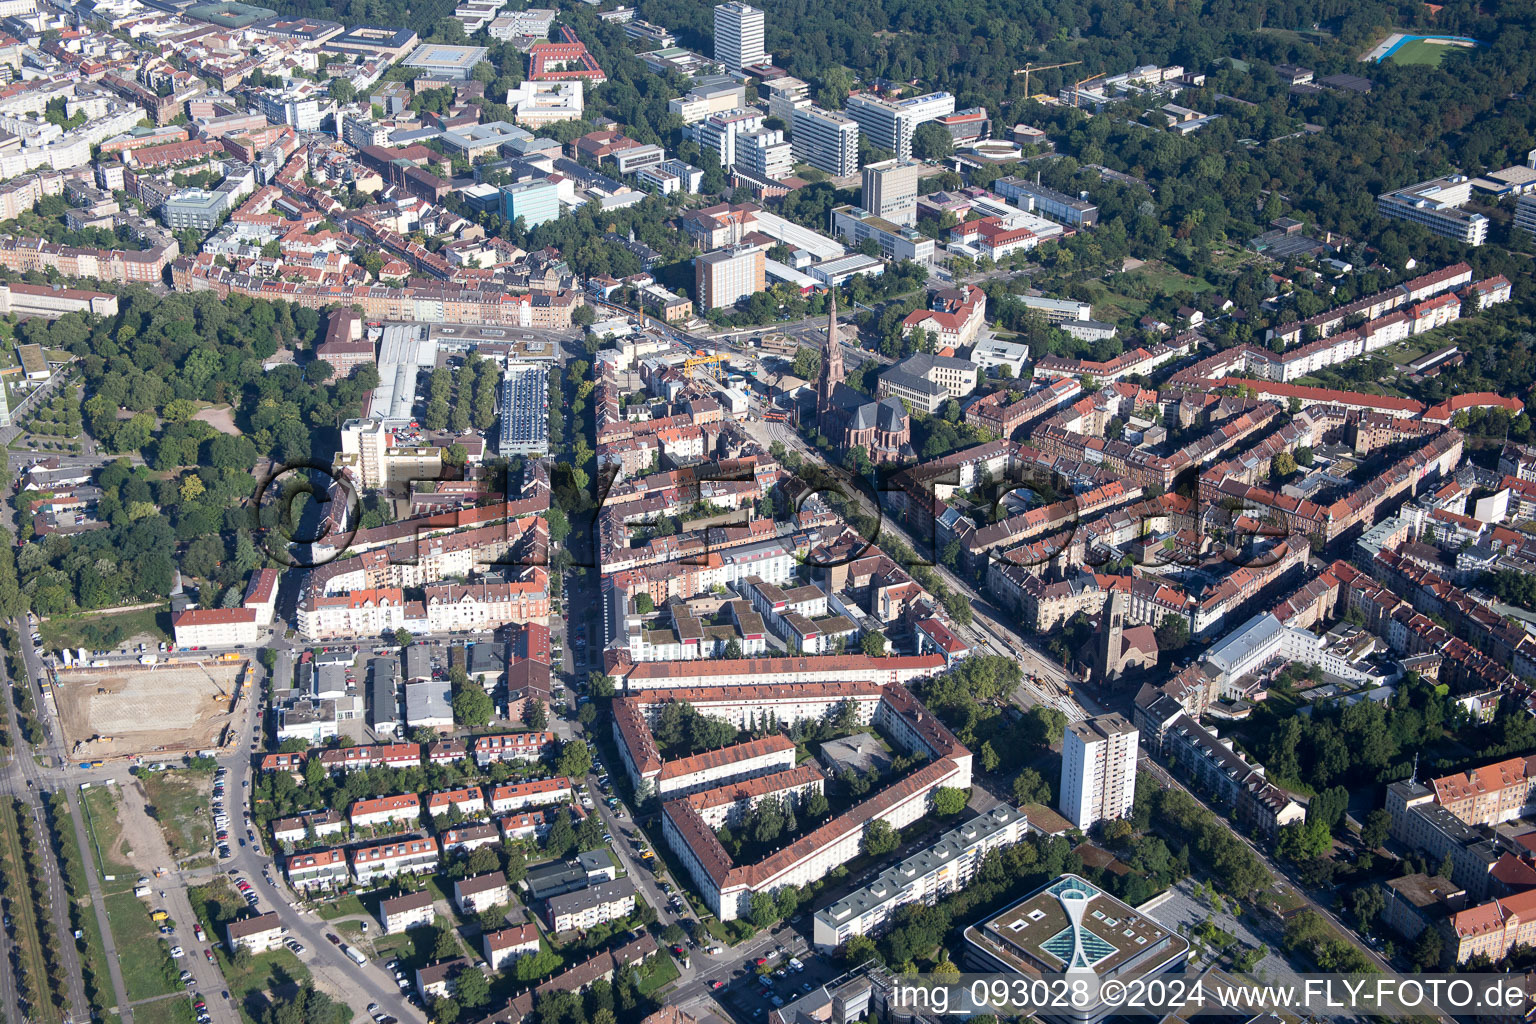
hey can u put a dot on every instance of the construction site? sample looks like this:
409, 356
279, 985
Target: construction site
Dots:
131, 710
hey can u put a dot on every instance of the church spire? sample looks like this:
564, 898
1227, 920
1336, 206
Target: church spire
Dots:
831, 366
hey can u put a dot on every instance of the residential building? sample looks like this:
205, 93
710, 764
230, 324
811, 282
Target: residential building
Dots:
502, 948
540, 793
298, 829
1437, 205
473, 895
512, 746
726, 276
925, 876
316, 870
406, 855
1098, 770
889, 124
215, 627
257, 934
825, 139
401, 913
890, 190
592, 906
196, 208
739, 36
404, 808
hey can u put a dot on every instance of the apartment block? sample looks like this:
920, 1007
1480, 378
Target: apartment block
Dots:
1098, 770
413, 910
592, 906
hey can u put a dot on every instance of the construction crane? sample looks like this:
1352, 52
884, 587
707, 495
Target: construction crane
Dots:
709, 360
1029, 69
1082, 82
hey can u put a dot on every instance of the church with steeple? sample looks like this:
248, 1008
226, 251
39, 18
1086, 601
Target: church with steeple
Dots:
850, 419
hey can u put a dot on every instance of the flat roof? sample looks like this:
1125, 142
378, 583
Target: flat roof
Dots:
443, 56
1040, 933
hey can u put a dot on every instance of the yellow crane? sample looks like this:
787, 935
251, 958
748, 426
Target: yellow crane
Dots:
709, 360
1029, 69
1081, 83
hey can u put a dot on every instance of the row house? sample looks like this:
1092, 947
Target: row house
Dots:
379, 755
520, 795
406, 855
316, 870
469, 801
298, 829
404, 808
514, 746
469, 837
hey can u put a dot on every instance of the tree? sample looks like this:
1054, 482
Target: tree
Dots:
575, 760
470, 987
600, 685
560, 840
472, 706
1375, 829
583, 316
1282, 465
537, 715
1304, 841
1427, 950
445, 944
1172, 633
932, 141
644, 605
537, 965
762, 909
949, 801
880, 838
1030, 788
873, 644
732, 649
445, 1010
342, 91
403, 637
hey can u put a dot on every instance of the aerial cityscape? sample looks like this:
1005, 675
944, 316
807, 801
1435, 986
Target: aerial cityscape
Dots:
696, 513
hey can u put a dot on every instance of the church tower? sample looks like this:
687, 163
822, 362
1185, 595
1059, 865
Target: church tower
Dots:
1112, 629
831, 369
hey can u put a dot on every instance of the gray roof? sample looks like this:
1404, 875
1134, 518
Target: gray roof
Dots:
592, 896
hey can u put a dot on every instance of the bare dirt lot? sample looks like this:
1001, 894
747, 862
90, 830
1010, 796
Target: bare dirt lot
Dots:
171, 708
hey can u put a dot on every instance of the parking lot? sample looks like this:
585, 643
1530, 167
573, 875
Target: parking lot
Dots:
749, 995
524, 410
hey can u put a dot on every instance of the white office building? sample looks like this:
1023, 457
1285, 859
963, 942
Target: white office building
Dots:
739, 36
1437, 206
1098, 770
891, 123
764, 154
826, 140
721, 132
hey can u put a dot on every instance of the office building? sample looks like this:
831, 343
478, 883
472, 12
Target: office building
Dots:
1436, 205
540, 103
1073, 927
358, 131
785, 96
826, 140
890, 190
1098, 770
764, 154
1525, 213
739, 36
720, 132
713, 94
896, 242
890, 123
454, 63
535, 201
194, 208
1047, 202
724, 277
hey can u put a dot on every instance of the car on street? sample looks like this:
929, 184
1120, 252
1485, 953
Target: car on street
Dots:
208, 955
177, 952
331, 937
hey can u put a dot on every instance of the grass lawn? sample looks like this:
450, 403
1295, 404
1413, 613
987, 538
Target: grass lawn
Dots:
144, 958
344, 907
1420, 52
100, 805
175, 1009
178, 800
253, 986
659, 970
62, 631
92, 950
